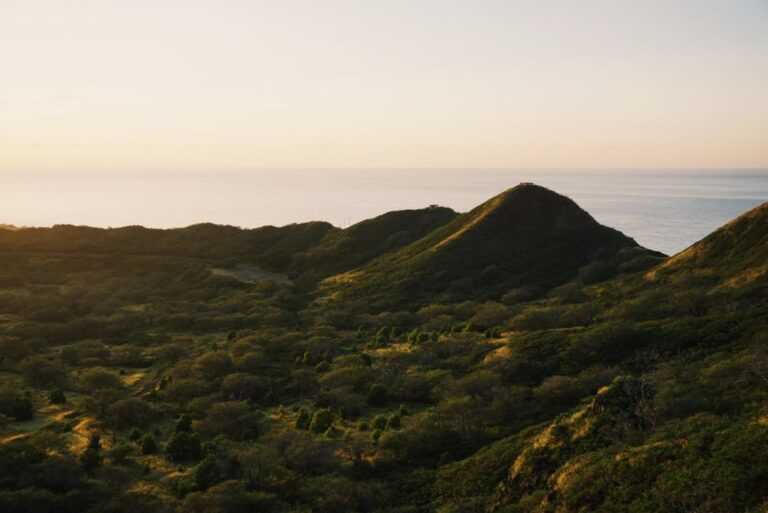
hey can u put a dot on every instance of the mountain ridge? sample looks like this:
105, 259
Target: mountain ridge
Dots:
512, 240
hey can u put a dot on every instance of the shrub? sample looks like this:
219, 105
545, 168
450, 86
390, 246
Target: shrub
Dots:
303, 419
119, 453
57, 397
183, 424
129, 412
22, 408
183, 446
148, 445
134, 435
321, 420
377, 395
379, 422
96, 379
40, 372
206, 473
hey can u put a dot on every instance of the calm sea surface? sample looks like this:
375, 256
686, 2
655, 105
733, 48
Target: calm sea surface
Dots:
663, 210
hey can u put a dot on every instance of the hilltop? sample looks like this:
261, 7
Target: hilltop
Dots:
526, 237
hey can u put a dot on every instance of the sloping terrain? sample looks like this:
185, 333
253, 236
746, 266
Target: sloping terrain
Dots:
348, 248
134, 381
527, 236
269, 246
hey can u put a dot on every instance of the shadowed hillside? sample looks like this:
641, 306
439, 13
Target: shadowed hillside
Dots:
527, 236
344, 249
268, 246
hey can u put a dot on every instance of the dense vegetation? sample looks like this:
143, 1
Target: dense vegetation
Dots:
161, 370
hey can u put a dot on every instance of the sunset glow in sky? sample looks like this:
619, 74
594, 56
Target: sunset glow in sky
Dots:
185, 84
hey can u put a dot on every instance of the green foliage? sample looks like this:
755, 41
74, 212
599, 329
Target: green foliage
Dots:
148, 444
303, 419
57, 397
394, 422
119, 453
206, 473
134, 435
321, 420
92, 457
525, 389
183, 446
22, 408
183, 424
377, 395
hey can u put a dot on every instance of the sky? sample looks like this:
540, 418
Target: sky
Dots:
139, 85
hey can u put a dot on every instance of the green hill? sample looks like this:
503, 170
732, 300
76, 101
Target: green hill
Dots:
527, 236
735, 255
269, 246
140, 371
345, 249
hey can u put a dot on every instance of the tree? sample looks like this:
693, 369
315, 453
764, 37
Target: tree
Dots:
206, 473
183, 446
240, 386
302, 419
148, 445
22, 408
321, 420
393, 422
233, 419
183, 424
119, 453
96, 379
92, 457
57, 397
41, 372
377, 395
134, 435
213, 364
379, 422
129, 412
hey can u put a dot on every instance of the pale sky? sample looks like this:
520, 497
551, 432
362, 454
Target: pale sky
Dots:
191, 84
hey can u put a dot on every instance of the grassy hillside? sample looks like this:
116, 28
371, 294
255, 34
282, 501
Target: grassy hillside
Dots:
527, 236
154, 381
270, 246
345, 249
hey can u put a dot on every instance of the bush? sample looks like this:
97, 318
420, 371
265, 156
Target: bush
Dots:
233, 419
379, 422
41, 373
321, 420
393, 422
134, 435
23, 409
183, 424
242, 386
57, 397
206, 473
129, 412
303, 419
377, 395
183, 446
148, 445
119, 453
97, 379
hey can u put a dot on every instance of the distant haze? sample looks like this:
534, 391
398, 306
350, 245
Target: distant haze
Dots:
664, 210
108, 85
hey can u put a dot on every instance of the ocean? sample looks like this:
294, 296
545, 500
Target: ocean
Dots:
665, 210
